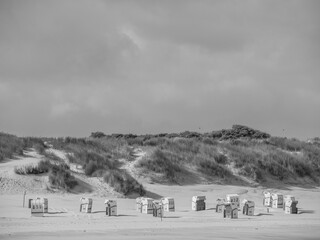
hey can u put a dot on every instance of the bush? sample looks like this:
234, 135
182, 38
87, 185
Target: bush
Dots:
42, 167
10, 145
90, 168
97, 135
60, 177
40, 148
122, 182
239, 131
221, 159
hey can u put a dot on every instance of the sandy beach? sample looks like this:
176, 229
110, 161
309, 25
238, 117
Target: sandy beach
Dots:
65, 220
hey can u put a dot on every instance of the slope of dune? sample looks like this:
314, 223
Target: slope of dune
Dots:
64, 219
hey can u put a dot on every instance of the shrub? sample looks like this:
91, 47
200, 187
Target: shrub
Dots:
40, 148
239, 131
221, 159
10, 145
60, 177
97, 135
90, 168
42, 167
122, 182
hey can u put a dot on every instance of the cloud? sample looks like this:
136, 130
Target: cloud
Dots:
68, 67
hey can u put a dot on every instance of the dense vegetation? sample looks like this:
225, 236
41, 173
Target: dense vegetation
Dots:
254, 154
10, 145
42, 167
100, 157
60, 177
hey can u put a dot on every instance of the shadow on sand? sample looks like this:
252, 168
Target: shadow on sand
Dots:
81, 187
306, 211
211, 209
125, 215
98, 212
56, 212
264, 214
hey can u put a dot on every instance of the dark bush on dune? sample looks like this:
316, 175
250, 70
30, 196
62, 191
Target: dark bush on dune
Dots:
10, 145
122, 182
90, 168
60, 177
239, 131
39, 147
97, 135
42, 167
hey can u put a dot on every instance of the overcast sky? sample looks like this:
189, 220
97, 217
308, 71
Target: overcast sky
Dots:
71, 67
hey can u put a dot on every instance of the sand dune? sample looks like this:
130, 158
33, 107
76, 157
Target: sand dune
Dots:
64, 219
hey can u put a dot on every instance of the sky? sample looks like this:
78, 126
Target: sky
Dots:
72, 67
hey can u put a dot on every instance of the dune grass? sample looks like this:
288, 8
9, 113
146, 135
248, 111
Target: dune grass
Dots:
163, 162
172, 157
279, 158
42, 167
61, 178
121, 181
99, 156
258, 160
255, 154
10, 145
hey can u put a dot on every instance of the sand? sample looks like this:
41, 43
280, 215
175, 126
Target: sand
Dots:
64, 219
